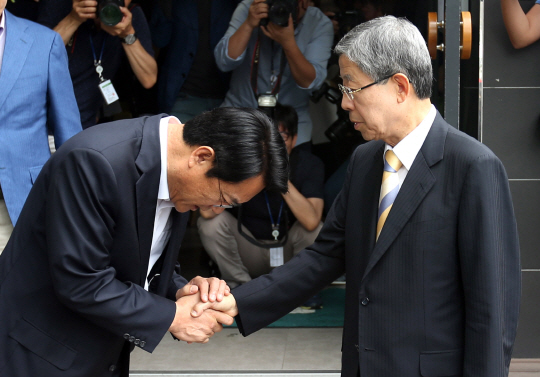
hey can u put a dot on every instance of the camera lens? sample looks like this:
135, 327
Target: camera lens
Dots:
110, 14
279, 14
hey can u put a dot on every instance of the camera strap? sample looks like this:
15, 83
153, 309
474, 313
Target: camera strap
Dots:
258, 243
255, 69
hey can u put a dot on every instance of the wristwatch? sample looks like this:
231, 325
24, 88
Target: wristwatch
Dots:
129, 39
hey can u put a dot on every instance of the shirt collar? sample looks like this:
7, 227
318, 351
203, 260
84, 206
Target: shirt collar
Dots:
3, 22
407, 149
163, 192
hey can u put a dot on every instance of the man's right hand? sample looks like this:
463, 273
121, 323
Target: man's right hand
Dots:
200, 329
83, 10
227, 306
257, 11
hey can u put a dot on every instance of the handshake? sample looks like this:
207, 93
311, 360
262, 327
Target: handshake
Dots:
199, 316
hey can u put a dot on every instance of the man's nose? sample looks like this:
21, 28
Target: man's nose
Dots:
346, 103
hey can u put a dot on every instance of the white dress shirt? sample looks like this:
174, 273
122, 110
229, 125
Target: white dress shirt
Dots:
407, 149
162, 221
2, 37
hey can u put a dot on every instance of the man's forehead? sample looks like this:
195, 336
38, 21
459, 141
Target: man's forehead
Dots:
348, 70
347, 77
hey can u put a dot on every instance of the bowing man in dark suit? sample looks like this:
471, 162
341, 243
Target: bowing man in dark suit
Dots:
424, 228
90, 270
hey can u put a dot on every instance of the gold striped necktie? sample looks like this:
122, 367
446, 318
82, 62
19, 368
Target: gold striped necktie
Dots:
389, 187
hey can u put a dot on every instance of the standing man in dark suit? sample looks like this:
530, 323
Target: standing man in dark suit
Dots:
430, 246
89, 272
36, 96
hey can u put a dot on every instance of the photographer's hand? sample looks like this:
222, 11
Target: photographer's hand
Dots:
142, 63
81, 11
257, 11
239, 40
282, 35
123, 28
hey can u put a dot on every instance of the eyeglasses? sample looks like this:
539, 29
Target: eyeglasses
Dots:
285, 135
223, 202
349, 92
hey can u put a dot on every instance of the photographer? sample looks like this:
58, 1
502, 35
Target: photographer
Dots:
274, 227
96, 49
288, 60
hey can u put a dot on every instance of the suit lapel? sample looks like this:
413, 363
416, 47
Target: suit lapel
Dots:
417, 184
370, 196
18, 44
149, 164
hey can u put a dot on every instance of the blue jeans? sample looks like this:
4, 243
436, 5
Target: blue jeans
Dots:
186, 106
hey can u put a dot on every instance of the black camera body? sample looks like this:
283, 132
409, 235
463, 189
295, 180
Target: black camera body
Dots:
108, 11
279, 10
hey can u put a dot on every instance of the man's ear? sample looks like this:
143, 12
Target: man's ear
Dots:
403, 86
202, 156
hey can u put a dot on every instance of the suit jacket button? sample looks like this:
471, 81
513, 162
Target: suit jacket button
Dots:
112, 368
365, 301
137, 341
131, 339
142, 344
126, 336
357, 348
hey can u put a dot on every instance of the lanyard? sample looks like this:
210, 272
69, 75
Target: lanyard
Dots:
276, 79
275, 226
97, 63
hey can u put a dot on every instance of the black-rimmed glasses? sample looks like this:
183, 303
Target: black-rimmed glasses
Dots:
223, 202
349, 92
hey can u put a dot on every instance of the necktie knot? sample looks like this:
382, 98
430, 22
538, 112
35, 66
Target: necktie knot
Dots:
392, 163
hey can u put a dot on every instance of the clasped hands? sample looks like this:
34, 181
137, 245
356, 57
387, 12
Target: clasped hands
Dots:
199, 316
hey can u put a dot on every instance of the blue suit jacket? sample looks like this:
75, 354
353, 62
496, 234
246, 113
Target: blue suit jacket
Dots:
35, 93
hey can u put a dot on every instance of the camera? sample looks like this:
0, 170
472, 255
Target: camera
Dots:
267, 104
279, 10
109, 11
341, 131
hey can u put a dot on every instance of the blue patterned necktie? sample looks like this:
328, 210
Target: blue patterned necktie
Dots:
389, 187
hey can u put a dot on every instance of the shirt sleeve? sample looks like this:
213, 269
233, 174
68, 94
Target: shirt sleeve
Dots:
221, 51
319, 49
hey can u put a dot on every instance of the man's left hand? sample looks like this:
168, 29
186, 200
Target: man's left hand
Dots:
123, 28
282, 35
211, 289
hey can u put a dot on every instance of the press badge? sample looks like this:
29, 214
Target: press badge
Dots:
276, 256
108, 91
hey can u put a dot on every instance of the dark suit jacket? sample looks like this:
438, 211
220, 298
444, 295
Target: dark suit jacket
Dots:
71, 277
438, 294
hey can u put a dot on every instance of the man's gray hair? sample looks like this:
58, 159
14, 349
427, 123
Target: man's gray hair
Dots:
389, 45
